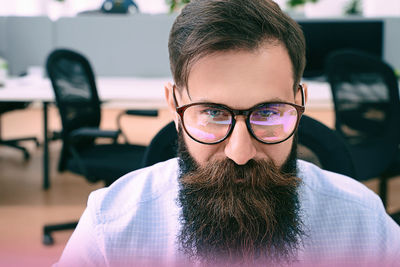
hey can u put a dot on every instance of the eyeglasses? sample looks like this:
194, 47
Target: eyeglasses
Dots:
269, 123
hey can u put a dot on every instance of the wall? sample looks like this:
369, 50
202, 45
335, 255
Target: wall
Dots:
374, 8
119, 45
392, 42
3, 42
115, 45
28, 42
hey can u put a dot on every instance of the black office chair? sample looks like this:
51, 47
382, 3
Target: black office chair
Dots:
78, 103
324, 147
15, 142
367, 107
163, 146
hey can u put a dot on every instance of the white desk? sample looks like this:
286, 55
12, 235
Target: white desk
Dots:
319, 95
137, 93
143, 93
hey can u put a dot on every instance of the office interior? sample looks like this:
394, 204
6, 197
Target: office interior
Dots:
134, 46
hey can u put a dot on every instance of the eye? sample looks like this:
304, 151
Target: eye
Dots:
265, 114
215, 113
212, 112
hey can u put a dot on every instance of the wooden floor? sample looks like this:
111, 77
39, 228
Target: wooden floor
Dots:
25, 207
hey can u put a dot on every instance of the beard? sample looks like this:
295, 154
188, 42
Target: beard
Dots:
239, 214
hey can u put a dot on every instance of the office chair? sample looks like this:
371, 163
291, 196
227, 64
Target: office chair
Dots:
367, 107
163, 146
324, 147
79, 107
15, 142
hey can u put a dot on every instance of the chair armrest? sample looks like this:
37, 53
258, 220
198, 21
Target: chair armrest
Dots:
137, 112
94, 132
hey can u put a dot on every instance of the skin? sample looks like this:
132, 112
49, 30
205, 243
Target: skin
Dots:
239, 79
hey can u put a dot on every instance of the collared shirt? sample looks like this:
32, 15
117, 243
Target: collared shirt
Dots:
136, 221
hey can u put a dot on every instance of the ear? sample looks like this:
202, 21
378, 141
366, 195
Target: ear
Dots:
168, 89
298, 95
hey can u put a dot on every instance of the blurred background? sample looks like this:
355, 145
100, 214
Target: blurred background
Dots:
125, 43
57, 8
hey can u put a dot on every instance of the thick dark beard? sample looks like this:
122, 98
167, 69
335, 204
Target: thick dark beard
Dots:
239, 215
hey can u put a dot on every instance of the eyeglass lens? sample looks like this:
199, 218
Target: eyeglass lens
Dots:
269, 123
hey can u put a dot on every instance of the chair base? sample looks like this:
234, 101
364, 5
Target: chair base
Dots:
14, 143
49, 229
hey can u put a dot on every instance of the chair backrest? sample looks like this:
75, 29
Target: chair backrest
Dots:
366, 97
76, 96
75, 90
326, 147
163, 146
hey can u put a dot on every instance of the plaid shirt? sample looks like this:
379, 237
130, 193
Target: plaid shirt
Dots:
135, 222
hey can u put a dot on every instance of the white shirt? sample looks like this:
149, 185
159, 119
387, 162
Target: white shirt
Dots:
136, 221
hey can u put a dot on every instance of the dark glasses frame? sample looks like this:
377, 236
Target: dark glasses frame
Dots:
235, 112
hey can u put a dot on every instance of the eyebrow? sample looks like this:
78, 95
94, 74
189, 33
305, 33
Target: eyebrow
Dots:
275, 99
272, 100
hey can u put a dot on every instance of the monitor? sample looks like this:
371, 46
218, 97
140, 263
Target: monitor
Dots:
323, 37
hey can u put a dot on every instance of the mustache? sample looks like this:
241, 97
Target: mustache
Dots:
226, 172
235, 212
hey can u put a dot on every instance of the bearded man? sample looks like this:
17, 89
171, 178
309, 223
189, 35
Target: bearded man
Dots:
236, 194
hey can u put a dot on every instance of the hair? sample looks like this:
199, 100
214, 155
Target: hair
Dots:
208, 26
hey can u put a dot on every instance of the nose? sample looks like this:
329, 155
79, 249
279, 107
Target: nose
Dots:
240, 144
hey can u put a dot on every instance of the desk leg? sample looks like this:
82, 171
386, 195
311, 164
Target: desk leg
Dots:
46, 180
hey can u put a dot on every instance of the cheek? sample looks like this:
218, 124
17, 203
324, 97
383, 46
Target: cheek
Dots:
278, 153
200, 152
204, 153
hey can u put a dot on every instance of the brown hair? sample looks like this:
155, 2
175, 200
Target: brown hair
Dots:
208, 26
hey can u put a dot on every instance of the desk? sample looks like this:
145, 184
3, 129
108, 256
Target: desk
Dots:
137, 93
143, 93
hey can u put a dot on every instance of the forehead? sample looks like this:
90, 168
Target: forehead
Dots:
242, 78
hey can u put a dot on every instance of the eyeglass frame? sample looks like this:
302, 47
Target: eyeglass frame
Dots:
244, 112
